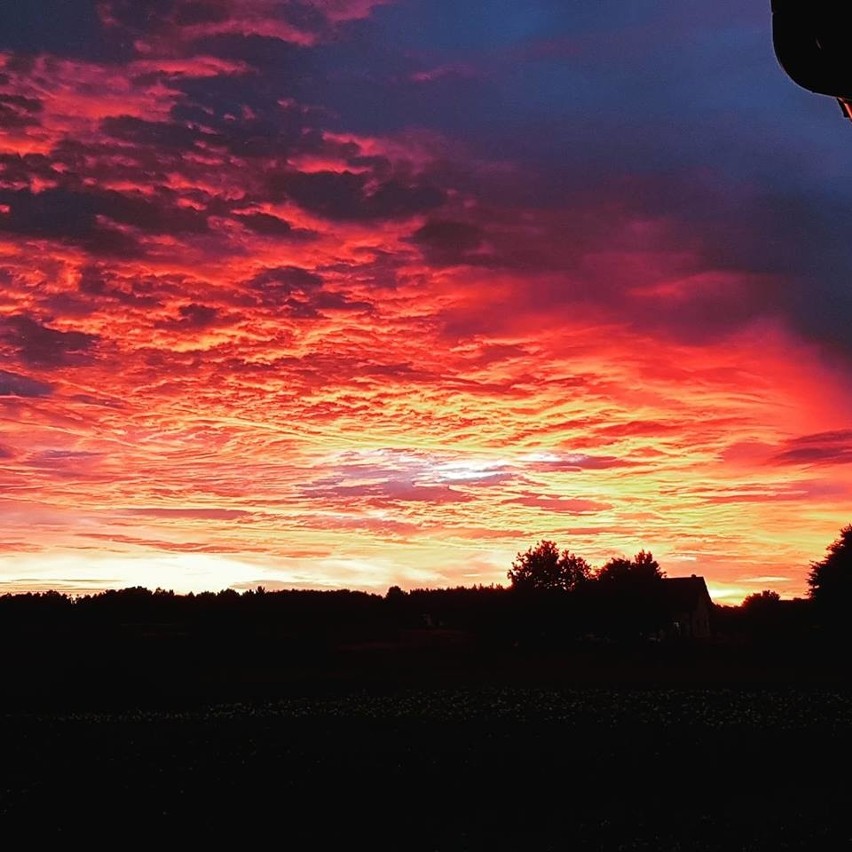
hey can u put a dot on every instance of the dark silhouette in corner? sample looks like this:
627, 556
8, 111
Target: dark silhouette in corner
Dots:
810, 39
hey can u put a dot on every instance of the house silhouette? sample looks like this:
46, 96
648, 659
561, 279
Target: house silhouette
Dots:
666, 608
688, 606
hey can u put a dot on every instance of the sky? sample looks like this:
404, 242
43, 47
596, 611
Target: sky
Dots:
360, 293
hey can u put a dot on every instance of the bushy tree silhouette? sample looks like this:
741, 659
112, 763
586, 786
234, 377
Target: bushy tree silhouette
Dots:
761, 600
830, 580
544, 568
642, 568
616, 570
395, 593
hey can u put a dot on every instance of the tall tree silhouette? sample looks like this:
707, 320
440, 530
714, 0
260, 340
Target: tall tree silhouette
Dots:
544, 568
830, 580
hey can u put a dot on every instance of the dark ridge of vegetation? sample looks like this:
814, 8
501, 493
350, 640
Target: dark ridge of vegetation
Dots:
491, 614
134, 647
559, 623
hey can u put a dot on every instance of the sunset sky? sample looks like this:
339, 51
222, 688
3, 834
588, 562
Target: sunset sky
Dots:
352, 293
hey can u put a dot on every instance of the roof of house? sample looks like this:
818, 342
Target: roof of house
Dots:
672, 594
684, 593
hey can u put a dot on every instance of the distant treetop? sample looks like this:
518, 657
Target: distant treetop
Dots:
642, 568
544, 568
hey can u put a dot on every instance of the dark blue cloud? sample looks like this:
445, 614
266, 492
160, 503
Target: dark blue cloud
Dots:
193, 317
39, 345
822, 448
802, 239
69, 28
78, 215
14, 384
684, 100
19, 111
349, 196
582, 90
469, 25
300, 293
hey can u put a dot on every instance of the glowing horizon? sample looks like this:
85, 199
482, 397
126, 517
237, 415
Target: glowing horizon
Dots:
346, 293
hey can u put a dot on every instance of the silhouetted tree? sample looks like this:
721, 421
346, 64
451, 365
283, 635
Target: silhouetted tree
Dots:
642, 568
544, 568
395, 593
575, 570
787, 629
830, 580
645, 567
617, 569
761, 600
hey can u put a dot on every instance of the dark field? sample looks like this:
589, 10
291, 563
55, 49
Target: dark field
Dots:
443, 768
407, 739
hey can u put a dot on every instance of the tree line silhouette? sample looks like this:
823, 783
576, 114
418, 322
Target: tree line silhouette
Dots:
137, 642
542, 577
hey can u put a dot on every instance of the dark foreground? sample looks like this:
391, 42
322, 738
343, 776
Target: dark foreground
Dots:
443, 768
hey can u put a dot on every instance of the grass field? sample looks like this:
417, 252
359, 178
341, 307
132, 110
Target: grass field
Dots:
444, 769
